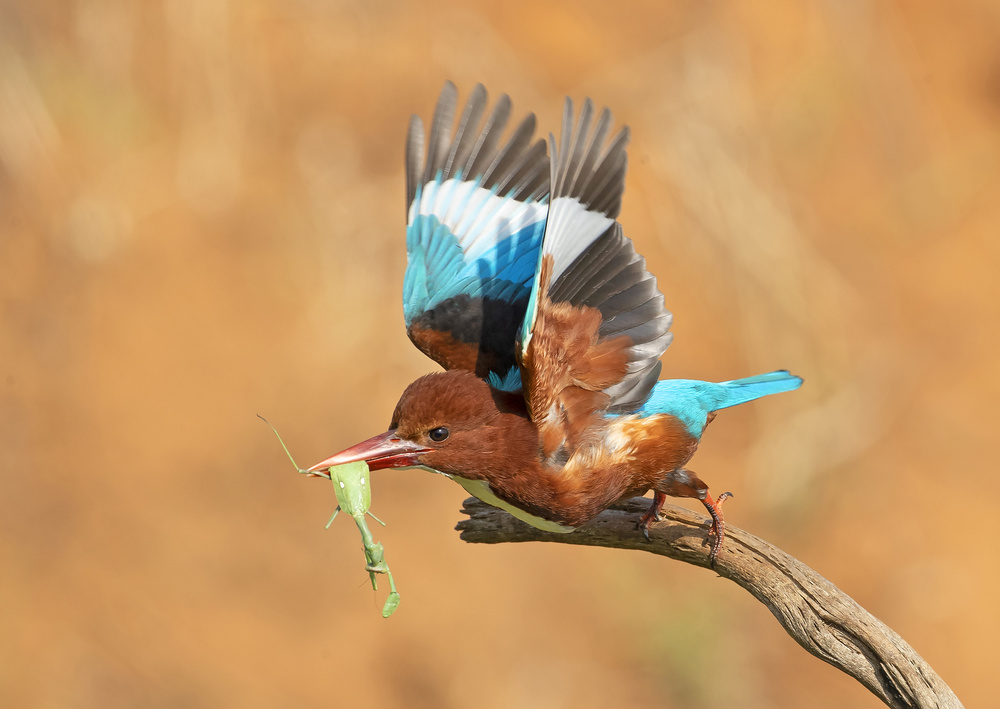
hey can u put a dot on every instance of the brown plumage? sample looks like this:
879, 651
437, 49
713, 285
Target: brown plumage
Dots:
444, 349
566, 368
492, 438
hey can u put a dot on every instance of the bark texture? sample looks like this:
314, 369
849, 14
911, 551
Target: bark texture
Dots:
818, 615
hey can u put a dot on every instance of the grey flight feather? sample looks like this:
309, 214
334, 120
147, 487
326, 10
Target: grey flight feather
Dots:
517, 168
583, 168
485, 149
414, 159
439, 141
466, 135
611, 277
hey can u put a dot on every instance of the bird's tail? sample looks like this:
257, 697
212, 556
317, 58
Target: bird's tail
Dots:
740, 391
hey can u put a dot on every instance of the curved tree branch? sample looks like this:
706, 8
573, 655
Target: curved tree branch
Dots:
818, 615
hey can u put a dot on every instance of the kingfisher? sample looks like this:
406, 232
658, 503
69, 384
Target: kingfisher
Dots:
521, 284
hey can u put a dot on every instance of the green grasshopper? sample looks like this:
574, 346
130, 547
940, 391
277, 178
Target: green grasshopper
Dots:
354, 497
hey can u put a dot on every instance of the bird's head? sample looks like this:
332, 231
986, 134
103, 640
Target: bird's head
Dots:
452, 422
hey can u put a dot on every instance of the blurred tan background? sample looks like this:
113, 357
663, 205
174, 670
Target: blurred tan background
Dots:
201, 218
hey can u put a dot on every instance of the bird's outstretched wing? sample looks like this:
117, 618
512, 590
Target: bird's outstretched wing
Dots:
476, 213
596, 326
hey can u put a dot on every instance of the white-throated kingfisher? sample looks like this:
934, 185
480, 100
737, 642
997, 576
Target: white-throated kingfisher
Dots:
521, 284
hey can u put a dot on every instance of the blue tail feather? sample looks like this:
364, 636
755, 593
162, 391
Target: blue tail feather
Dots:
692, 401
742, 390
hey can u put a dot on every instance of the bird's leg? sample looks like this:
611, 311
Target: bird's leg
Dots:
652, 514
718, 527
684, 483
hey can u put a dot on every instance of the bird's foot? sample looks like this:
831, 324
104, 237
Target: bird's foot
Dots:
643, 524
718, 528
651, 515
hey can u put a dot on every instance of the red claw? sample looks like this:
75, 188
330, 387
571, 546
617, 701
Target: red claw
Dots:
652, 514
714, 507
718, 528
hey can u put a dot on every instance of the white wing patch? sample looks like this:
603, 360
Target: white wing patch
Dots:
477, 217
571, 229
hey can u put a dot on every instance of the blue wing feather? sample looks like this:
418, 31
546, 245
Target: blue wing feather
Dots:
510, 382
472, 243
439, 269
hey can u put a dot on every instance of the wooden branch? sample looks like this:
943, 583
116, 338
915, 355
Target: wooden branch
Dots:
818, 615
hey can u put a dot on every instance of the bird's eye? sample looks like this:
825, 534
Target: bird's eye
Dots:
438, 434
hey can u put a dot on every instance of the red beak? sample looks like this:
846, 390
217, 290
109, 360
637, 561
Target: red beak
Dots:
385, 450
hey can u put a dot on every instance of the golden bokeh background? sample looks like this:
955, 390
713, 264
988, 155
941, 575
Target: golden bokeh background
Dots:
201, 219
